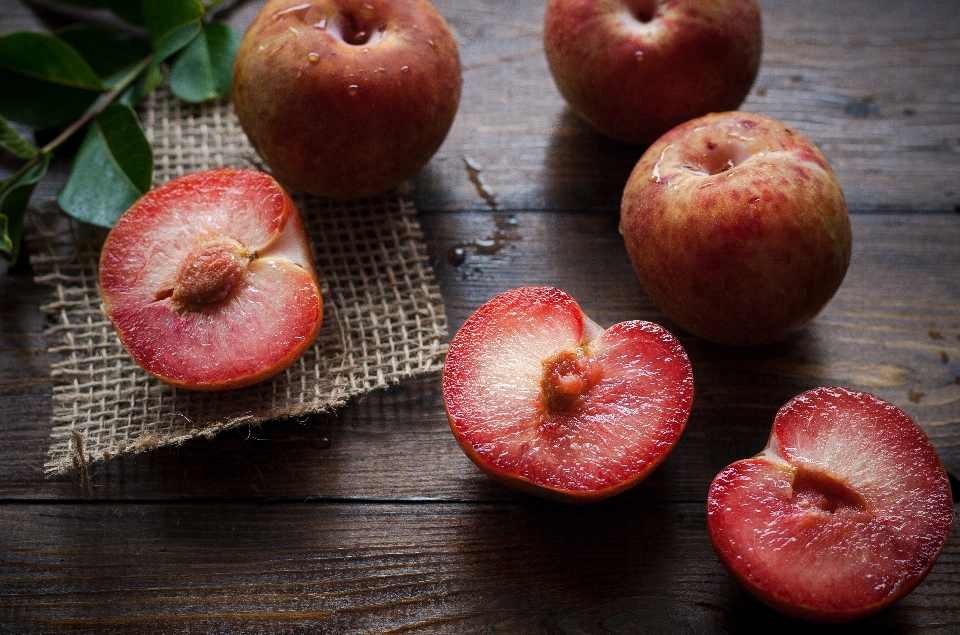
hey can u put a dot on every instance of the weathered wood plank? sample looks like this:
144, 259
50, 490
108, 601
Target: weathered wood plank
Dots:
893, 329
330, 568
400, 532
875, 88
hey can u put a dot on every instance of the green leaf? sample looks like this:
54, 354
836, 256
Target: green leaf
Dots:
167, 18
148, 80
112, 169
14, 198
176, 40
204, 69
14, 143
223, 41
45, 81
48, 58
109, 54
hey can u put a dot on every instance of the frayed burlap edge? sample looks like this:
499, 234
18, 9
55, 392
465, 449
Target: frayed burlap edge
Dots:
384, 318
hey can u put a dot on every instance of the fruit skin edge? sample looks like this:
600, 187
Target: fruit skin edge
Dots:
554, 494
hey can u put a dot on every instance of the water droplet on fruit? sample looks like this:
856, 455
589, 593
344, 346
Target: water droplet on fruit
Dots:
639, 55
352, 89
456, 255
323, 443
285, 12
313, 57
656, 168
404, 69
294, 31
322, 24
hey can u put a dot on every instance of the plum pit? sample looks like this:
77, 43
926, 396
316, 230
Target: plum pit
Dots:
567, 376
814, 489
209, 274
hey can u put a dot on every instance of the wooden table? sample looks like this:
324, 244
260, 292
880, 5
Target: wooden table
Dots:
372, 520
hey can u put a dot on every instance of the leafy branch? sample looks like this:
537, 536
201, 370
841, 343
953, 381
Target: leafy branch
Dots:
86, 80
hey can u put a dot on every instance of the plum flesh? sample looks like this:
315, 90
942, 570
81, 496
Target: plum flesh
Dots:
843, 513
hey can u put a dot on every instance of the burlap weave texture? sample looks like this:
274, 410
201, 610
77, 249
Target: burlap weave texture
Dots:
384, 318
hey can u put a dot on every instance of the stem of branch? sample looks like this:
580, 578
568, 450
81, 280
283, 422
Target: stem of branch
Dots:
105, 100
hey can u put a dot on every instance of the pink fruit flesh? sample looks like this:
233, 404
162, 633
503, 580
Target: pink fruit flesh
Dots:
209, 281
843, 513
543, 400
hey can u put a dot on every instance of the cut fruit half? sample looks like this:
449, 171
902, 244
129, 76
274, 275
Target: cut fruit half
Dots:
544, 400
209, 281
843, 513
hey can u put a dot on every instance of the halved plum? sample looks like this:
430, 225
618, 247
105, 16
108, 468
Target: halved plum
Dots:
546, 401
209, 280
843, 513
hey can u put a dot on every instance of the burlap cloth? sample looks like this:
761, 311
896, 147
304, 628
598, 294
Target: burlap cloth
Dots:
384, 318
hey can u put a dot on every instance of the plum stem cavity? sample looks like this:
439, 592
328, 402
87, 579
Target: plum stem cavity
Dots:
644, 10
355, 30
209, 274
567, 376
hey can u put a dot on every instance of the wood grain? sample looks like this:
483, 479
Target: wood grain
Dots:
372, 520
427, 568
874, 87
